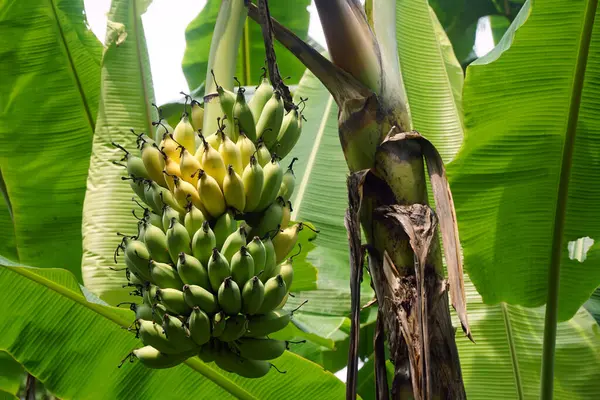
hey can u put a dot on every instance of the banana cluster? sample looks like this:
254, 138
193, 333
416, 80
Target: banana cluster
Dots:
209, 258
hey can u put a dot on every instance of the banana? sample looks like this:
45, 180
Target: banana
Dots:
184, 192
184, 134
150, 194
262, 94
233, 243
192, 272
135, 165
243, 114
253, 295
262, 153
207, 352
246, 148
188, 166
169, 146
242, 266
197, 115
201, 140
158, 313
134, 280
155, 219
152, 334
287, 215
162, 196
270, 219
193, 220
288, 182
178, 333
256, 248
275, 291
156, 242
230, 154
152, 358
164, 276
273, 176
197, 296
226, 98
271, 117
218, 270
171, 170
261, 349
168, 213
162, 129
229, 296
252, 179
270, 322
285, 241
178, 239
233, 190
210, 192
154, 161
136, 257
270, 260
138, 185
203, 242
214, 140
224, 227
289, 133
235, 327
286, 270
213, 164
142, 311
199, 324
173, 300
247, 368
149, 294
218, 324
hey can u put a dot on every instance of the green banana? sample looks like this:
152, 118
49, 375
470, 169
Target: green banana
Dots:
184, 134
162, 197
203, 242
233, 243
270, 322
233, 190
289, 133
152, 334
271, 117
199, 324
273, 176
193, 220
275, 291
226, 98
263, 155
243, 114
155, 219
197, 296
229, 296
156, 242
270, 260
136, 257
191, 271
173, 300
135, 165
247, 149
150, 192
211, 194
178, 239
247, 368
218, 270
167, 215
152, 358
242, 266
261, 349
235, 327
158, 313
178, 333
253, 295
262, 94
270, 219
288, 182
138, 185
253, 179
218, 324
149, 294
142, 311
164, 276
256, 248
207, 352
224, 227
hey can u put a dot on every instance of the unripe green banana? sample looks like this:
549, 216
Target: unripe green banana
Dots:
243, 114
192, 272
253, 180
137, 258
164, 275
178, 239
149, 294
253, 295
218, 270
197, 115
188, 166
158, 313
271, 117
262, 94
270, 219
235, 327
233, 243
261, 349
154, 162
263, 156
270, 322
211, 194
173, 300
193, 220
289, 133
168, 213
286, 270
152, 334
155, 219
256, 248
247, 149
227, 100
203, 242
162, 197
184, 134
199, 324
156, 242
224, 227
218, 324
229, 296
288, 182
134, 279
275, 291
178, 333
242, 266
233, 190
138, 185
207, 352
285, 241
152, 358
135, 165
231, 154
150, 193
270, 260
273, 176
213, 164
247, 368
142, 311
287, 215
197, 296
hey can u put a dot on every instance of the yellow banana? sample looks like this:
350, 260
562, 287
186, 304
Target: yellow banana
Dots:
262, 153
246, 147
184, 134
197, 115
171, 169
233, 190
213, 164
188, 166
287, 214
154, 161
285, 241
169, 146
288, 183
230, 154
210, 193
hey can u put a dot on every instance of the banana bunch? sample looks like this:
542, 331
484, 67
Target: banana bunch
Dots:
210, 259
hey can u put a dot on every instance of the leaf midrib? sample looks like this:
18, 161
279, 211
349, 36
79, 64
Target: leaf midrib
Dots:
142, 73
513, 350
194, 363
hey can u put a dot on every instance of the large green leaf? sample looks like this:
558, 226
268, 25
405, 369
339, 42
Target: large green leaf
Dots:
8, 243
293, 14
593, 305
524, 103
11, 374
48, 101
74, 347
125, 104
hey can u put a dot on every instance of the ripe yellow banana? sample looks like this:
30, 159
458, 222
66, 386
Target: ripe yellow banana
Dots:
184, 134
233, 190
188, 166
230, 154
210, 193
246, 147
154, 161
